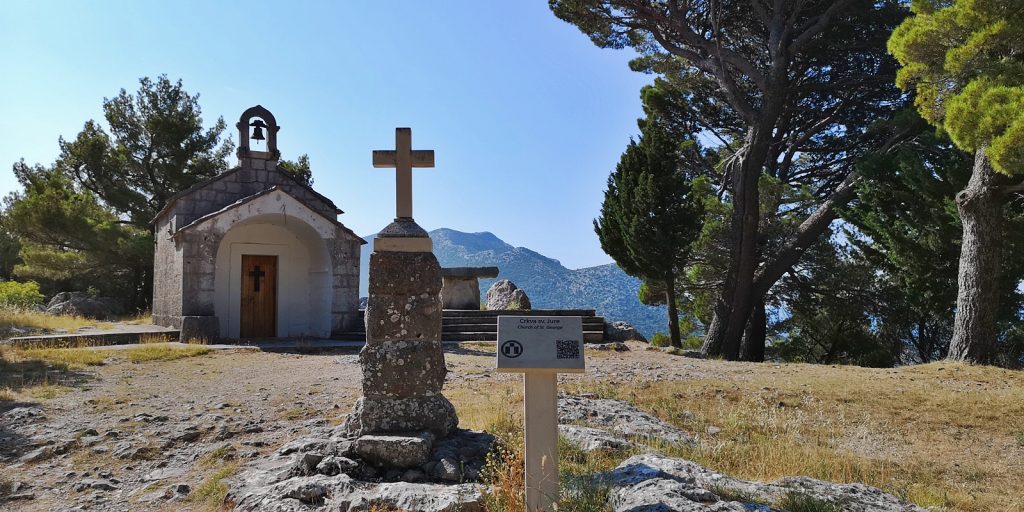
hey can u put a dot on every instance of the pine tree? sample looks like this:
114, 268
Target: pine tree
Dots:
650, 215
962, 59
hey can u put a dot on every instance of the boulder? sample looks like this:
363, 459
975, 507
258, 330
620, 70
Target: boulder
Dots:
83, 304
621, 331
396, 451
592, 439
505, 295
619, 418
655, 482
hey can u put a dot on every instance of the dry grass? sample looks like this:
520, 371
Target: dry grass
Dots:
35, 320
210, 494
942, 435
71, 357
163, 352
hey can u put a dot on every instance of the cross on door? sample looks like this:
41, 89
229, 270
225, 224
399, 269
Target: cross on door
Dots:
403, 158
257, 275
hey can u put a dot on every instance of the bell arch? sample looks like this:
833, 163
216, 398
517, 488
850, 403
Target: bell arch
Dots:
244, 151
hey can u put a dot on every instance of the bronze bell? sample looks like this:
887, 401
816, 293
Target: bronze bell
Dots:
257, 129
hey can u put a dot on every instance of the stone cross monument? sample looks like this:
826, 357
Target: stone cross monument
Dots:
402, 361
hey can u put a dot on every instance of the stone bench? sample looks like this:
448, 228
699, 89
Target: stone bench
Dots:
460, 287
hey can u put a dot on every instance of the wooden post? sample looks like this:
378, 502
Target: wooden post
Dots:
540, 347
540, 407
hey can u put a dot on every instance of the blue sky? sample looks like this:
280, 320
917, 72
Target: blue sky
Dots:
526, 116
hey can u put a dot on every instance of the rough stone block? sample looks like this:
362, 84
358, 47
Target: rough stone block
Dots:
401, 273
398, 451
204, 328
402, 369
406, 317
461, 293
434, 414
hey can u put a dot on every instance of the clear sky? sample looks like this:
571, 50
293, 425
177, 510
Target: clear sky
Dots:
526, 116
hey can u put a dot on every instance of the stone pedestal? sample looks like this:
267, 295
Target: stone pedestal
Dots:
402, 362
461, 289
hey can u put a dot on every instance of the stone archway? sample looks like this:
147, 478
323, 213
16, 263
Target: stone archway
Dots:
303, 271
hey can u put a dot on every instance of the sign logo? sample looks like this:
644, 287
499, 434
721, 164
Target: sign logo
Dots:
512, 349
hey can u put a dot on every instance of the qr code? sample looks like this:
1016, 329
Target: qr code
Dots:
568, 349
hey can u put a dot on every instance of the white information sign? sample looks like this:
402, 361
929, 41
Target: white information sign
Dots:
540, 347
552, 343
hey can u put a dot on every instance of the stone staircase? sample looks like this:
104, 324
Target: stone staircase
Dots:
469, 325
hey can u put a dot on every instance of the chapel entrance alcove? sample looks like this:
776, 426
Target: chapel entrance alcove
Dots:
288, 295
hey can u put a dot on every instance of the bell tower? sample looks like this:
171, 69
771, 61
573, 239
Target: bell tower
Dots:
259, 148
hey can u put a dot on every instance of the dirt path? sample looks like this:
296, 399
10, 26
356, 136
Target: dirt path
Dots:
128, 433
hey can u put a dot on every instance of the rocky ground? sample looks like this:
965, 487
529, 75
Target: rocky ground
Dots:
167, 435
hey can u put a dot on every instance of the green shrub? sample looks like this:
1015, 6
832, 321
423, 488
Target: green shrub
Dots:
661, 340
799, 502
20, 295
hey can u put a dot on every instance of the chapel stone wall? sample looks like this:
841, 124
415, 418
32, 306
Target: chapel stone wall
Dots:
344, 250
167, 274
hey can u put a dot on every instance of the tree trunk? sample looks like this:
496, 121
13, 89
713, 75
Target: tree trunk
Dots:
756, 335
977, 300
673, 314
734, 303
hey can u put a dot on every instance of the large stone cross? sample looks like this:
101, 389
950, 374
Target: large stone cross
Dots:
403, 158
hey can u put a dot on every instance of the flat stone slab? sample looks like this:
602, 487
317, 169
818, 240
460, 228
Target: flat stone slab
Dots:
654, 482
591, 439
470, 272
118, 334
619, 418
400, 451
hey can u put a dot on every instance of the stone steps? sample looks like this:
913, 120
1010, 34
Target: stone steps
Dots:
473, 325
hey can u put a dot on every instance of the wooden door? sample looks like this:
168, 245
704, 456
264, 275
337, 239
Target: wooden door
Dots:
259, 297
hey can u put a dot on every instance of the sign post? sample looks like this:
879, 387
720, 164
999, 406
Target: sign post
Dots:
540, 347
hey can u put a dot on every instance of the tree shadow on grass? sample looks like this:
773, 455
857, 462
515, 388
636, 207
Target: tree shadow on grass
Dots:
24, 377
16, 376
468, 350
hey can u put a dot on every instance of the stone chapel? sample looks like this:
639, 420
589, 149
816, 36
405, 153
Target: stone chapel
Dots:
255, 253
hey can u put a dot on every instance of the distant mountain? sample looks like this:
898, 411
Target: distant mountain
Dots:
605, 288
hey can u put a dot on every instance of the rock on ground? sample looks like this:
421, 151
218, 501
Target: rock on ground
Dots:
619, 418
504, 294
82, 304
656, 483
621, 331
338, 472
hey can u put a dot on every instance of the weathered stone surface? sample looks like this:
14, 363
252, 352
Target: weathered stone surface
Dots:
504, 295
402, 369
199, 328
617, 346
403, 273
461, 293
82, 304
398, 451
592, 439
621, 331
403, 317
654, 482
619, 418
383, 415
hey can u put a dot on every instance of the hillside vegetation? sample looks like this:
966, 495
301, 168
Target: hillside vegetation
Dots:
604, 288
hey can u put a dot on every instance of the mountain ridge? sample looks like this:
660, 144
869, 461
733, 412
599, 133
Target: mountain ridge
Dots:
548, 283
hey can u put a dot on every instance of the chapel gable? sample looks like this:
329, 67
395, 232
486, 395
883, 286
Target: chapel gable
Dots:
257, 172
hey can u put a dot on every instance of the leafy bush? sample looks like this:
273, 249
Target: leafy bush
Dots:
20, 295
661, 340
